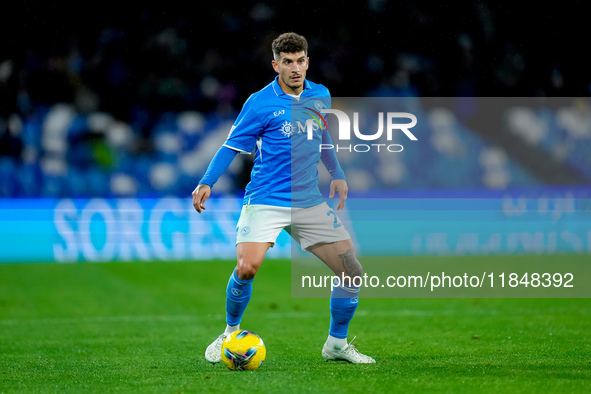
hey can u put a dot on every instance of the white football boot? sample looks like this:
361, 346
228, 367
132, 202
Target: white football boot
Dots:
213, 353
348, 353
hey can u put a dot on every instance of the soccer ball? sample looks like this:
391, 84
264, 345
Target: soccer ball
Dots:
243, 350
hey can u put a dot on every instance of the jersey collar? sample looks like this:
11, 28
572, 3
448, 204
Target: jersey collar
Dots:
280, 92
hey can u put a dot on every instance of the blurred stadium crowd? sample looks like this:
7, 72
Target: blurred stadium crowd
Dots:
136, 102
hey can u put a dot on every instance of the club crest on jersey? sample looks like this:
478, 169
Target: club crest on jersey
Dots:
287, 129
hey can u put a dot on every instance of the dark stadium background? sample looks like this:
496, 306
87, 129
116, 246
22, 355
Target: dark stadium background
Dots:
140, 63
111, 111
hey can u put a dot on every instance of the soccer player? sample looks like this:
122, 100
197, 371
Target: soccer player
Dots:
283, 194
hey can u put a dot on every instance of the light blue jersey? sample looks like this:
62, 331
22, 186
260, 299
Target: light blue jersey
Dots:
285, 169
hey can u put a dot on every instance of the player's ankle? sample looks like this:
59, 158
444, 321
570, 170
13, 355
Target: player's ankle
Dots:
230, 329
336, 343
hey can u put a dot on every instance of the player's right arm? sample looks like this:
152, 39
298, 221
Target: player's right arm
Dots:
241, 139
200, 195
220, 162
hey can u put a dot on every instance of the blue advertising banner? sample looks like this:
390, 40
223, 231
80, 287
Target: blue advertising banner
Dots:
71, 230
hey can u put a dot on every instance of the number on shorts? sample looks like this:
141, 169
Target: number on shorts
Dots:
335, 224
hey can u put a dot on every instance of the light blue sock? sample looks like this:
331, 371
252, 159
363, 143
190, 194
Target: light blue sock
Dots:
343, 303
238, 294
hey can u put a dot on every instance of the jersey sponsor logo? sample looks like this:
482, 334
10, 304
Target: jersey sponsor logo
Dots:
317, 117
315, 124
277, 113
287, 129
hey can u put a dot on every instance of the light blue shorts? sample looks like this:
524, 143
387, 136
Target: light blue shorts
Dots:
307, 226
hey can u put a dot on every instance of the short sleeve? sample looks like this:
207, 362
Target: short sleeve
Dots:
246, 129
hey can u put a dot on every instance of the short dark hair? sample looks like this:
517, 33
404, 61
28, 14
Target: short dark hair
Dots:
289, 43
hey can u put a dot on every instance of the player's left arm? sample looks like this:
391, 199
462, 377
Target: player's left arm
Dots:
330, 161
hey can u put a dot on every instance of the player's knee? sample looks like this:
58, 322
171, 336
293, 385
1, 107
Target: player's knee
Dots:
246, 270
358, 268
351, 264
352, 275
355, 269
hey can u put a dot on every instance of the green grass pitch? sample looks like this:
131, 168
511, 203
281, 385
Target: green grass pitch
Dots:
143, 327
